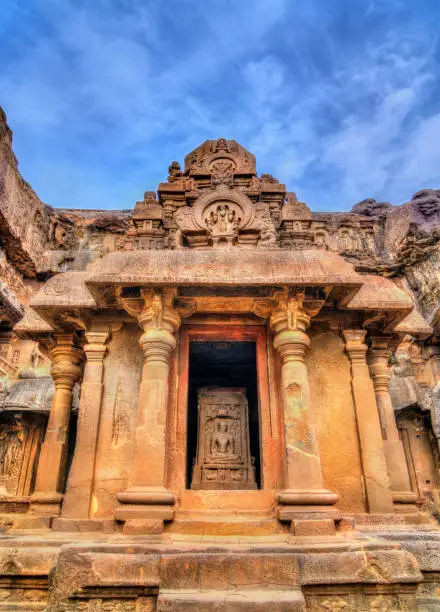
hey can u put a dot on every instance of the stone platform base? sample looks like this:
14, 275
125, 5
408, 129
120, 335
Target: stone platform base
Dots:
237, 601
176, 572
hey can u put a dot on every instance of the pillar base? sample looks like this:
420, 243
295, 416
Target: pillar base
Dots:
307, 505
309, 528
143, 527
404, 497
306, 497
83, 525
128, 512
150, 496
46, 504
307, 513
144, 509
35, 521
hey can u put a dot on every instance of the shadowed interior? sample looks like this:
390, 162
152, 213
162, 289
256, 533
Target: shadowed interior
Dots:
222, 364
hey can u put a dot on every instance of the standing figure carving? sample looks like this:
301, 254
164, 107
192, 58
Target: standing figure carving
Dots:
11, 441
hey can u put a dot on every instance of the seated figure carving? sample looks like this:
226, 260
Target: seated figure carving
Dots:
222, 444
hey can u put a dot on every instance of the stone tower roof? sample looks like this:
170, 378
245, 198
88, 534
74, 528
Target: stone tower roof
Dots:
210, 153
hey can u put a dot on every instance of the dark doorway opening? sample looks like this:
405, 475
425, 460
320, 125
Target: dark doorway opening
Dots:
223, 364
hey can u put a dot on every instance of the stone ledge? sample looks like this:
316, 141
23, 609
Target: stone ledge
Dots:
233, 601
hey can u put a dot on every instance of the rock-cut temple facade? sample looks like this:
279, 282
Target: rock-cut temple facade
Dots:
218, 399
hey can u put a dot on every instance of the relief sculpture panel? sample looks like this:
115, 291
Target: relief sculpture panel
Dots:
223, 458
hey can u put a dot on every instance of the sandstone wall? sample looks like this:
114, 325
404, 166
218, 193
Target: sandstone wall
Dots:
123, 369
329, 374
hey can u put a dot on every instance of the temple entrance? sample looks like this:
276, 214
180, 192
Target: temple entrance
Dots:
223, 431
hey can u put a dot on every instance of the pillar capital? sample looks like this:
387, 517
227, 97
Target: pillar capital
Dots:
159, 320
96, 349
159, 311
378, 359
291, 314
66, 361
355, 344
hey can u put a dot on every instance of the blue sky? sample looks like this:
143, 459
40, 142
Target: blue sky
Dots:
340, 99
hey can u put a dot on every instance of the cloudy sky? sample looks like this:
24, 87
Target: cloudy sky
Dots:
340, 99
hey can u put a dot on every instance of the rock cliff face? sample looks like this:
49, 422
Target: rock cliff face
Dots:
408, 246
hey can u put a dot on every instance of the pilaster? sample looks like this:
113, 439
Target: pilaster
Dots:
379, 357
51, 473
77, 501
377, 484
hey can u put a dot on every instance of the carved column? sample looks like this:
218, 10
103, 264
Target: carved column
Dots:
146, 503
50, 480
304, 484
378, 360
78, 496
377, 484
433, 354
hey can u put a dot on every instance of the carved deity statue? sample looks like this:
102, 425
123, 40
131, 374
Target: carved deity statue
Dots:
174, 172
222, 223
223, 446
222, 441
268, 235
11, 440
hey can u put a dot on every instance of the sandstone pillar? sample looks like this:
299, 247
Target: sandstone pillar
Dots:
304, 485
377, 484
433, 354
50, 480
146, 503
378, 360
77, 501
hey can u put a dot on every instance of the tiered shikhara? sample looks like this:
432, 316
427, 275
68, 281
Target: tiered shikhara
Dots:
218, 200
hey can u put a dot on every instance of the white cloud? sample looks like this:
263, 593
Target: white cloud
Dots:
113, 96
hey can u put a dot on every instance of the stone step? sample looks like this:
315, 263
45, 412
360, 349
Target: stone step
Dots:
255, 527
241, 524
233, 601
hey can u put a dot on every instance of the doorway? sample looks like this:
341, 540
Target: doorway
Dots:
223, 364
247, 347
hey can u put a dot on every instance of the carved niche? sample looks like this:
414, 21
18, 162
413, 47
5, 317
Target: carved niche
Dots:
223, 458
217, 218
20, 439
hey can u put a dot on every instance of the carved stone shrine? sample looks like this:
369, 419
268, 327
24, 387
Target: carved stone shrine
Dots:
223, 450
219, 399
